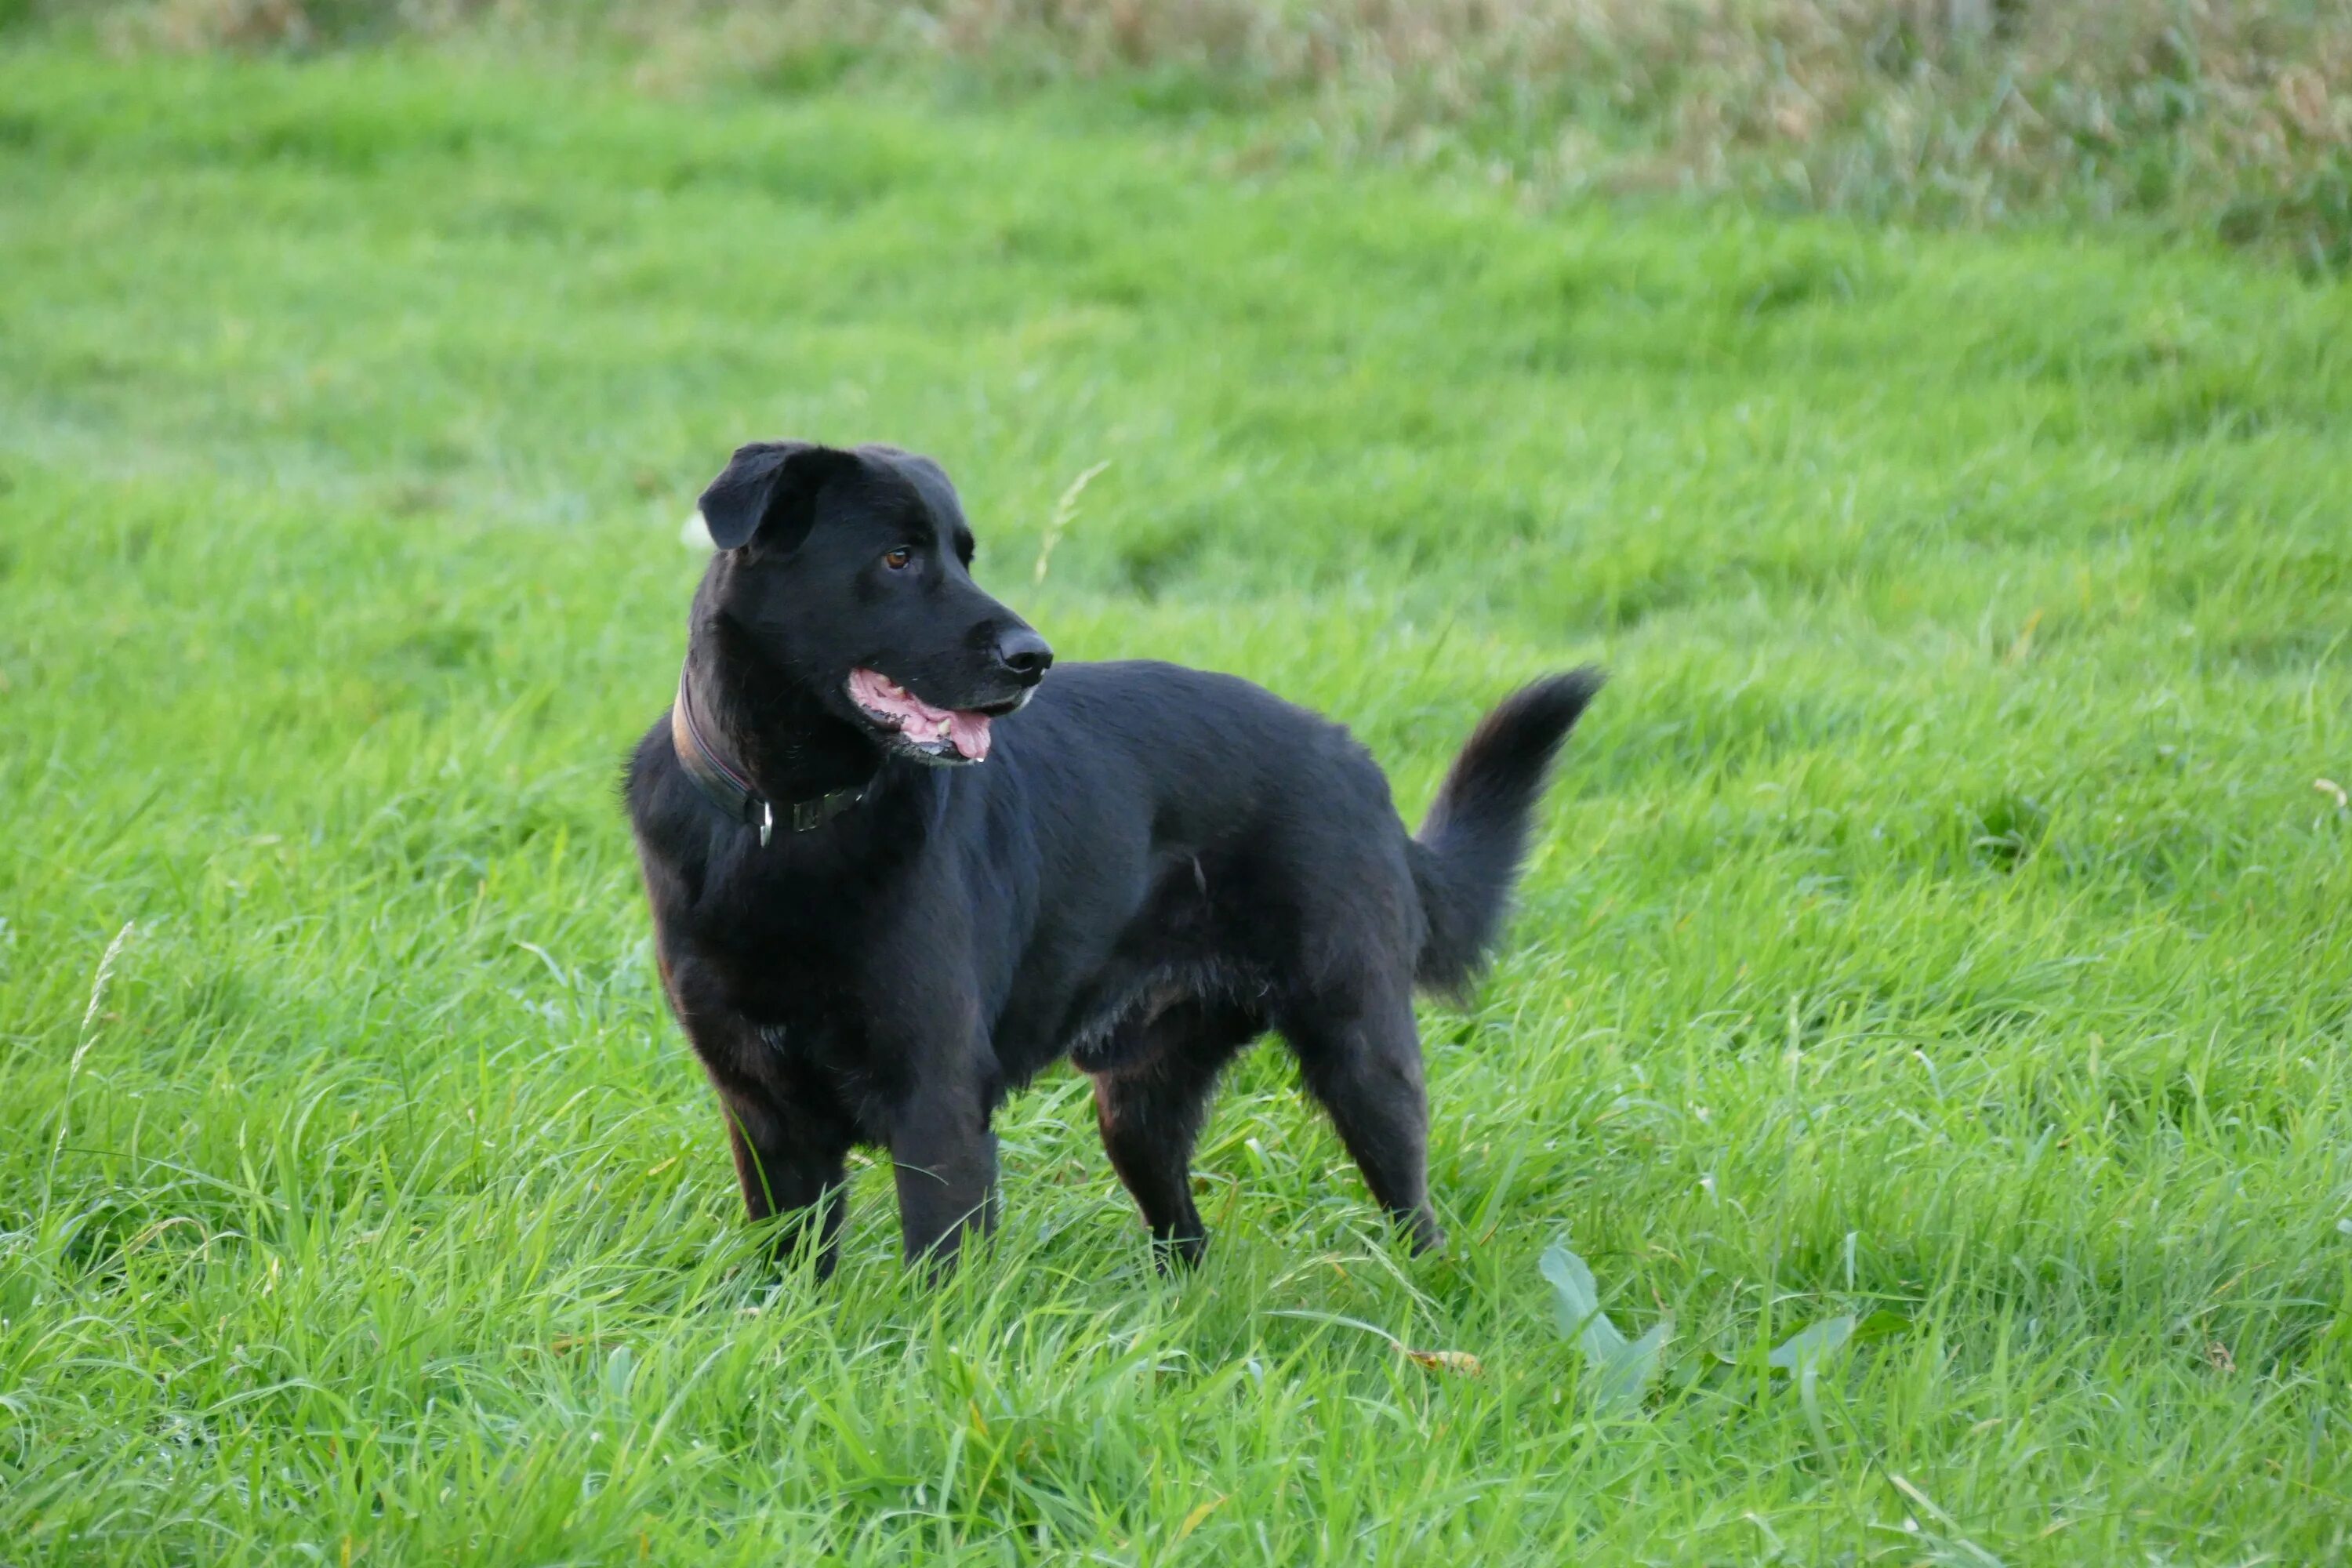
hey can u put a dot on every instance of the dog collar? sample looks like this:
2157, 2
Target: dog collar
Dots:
731, 793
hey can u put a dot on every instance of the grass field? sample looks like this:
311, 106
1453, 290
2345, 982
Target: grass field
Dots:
1940, 920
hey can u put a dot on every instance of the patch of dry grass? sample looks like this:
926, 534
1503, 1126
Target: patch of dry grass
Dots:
2233, 118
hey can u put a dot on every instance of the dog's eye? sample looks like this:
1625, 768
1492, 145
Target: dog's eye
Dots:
898, 560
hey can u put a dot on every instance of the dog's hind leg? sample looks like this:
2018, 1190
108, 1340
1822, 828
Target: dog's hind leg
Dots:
1360, 1053
1150, 1105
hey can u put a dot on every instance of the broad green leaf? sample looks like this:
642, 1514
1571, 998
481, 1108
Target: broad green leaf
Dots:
1881, 1325
1621, 1369
1576, 1303
1801, 1355
1627, 1377
1806, 1347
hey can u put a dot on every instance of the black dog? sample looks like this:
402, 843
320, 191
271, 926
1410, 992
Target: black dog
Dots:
877, 911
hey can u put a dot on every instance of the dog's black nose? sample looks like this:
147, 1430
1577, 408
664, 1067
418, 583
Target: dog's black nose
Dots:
1025, 654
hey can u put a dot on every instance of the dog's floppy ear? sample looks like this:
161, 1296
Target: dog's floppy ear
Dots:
767, 493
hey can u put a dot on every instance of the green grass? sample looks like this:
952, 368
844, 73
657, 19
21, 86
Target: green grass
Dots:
1937, 915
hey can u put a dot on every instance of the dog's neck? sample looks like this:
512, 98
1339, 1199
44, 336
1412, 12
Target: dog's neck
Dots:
765, 726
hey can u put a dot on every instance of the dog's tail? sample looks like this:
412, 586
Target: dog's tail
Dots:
1467, 854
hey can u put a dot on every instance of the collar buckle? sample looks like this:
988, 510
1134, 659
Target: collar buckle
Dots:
733, 794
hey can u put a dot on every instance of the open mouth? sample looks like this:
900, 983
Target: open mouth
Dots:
942, 734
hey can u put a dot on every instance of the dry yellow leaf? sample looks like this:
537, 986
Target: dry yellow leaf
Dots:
1192, 1519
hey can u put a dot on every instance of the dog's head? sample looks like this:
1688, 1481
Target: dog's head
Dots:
850, 572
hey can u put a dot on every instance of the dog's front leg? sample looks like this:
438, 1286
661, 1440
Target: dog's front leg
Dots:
932, 1049
945, 1161
790, 1150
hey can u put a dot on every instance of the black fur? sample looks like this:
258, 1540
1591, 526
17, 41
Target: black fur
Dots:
1470, 845
1151, 867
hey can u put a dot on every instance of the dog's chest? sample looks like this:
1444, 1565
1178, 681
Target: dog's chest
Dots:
804, 1001
831, 1054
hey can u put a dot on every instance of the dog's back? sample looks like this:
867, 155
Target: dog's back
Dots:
1134, 767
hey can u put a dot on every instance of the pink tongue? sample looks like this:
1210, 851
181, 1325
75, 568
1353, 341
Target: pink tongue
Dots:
969, 732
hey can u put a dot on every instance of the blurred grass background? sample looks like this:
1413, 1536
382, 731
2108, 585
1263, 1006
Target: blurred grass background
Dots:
2204, 117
